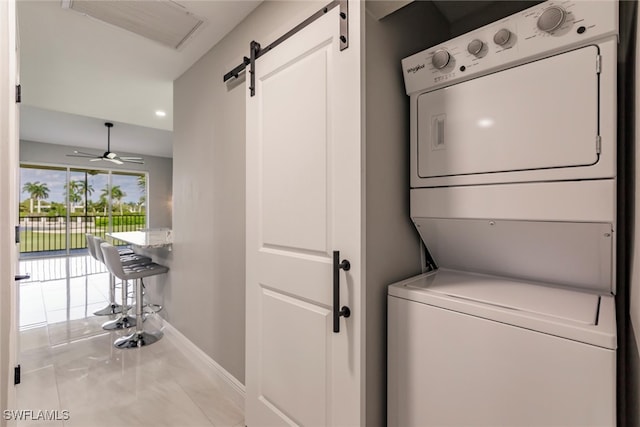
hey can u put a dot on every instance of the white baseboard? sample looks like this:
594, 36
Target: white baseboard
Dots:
235, 389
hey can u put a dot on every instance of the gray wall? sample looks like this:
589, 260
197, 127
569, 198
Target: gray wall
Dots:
159, 169
392, 244
205, 298
491, 13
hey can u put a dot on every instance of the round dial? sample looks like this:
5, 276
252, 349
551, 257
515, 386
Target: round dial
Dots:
440, 58
551, 19
475, 46
502, 37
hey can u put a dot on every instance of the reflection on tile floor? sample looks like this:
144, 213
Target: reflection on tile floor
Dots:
69, 363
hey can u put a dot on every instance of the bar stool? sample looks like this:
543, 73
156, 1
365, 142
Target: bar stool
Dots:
140, 337
113, 307
124, 321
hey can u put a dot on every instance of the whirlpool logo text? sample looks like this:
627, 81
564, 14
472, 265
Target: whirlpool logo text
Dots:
415, 69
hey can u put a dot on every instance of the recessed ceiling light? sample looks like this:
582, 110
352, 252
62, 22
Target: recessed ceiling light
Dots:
161, 113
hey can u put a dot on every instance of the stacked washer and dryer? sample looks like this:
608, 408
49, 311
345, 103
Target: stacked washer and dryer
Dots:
513, 191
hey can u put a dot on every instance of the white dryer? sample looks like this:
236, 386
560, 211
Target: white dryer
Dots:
513, 191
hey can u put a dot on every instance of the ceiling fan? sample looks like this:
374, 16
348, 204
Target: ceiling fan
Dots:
108, 155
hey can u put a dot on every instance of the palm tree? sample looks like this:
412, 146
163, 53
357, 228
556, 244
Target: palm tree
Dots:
74, 193
37, 191
142, 183
116, 196
141, 202
85, 189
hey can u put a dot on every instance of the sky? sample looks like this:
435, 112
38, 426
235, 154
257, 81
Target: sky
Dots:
55, 180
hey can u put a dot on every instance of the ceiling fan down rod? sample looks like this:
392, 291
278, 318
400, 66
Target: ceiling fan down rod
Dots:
109, 125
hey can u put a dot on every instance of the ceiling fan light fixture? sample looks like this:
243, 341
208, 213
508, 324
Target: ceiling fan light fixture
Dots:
108, 155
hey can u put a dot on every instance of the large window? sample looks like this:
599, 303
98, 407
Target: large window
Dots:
58, 205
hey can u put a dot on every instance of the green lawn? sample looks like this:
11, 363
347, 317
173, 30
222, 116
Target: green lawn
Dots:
36, 242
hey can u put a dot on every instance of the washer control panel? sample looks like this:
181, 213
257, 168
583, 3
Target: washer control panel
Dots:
545, 29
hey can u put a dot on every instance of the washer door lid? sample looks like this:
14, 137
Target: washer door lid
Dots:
560, 303
565, 313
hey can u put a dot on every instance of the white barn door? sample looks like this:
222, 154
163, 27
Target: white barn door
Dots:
304, 197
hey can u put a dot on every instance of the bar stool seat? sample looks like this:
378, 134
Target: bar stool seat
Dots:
135, 272
126, 251
113, 307
124, 321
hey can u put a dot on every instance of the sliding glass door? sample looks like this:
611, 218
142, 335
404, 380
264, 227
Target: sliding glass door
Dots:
58, 205
43, 210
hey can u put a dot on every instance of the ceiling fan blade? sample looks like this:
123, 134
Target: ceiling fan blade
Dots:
86, 154
80, 155
108, 155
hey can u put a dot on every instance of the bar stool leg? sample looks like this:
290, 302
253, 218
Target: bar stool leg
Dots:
140, 337
124, 321
113, 307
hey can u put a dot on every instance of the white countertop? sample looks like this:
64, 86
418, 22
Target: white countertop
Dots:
145, 239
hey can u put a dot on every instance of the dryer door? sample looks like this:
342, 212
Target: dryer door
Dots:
540, 115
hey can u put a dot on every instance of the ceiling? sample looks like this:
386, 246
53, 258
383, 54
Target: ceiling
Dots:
455, 10
77, 72
94, 72
89, 132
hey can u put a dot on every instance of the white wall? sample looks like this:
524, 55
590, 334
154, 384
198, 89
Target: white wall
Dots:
159, 168
205, 296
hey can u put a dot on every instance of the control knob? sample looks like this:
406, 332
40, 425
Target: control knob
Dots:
551, 19
475, 46
440, 59
502, 37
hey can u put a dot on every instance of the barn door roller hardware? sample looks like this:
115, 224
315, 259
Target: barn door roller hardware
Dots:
256, 51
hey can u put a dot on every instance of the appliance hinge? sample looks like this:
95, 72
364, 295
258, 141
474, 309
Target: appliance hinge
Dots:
16, 375
598, 144
598, 63
18, 94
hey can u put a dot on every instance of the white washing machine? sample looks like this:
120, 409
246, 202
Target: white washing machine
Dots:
513, 191
476, 350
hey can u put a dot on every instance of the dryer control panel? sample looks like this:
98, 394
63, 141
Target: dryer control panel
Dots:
537, 32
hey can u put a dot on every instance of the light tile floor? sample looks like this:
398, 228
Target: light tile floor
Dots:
69, 363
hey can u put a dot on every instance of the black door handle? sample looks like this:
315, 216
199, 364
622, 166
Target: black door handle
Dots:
337, 311
19, 277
